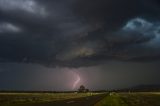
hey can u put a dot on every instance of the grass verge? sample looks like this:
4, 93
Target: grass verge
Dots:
112, 100
131, 99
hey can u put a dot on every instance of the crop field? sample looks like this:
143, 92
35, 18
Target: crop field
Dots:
14, 99
131, 99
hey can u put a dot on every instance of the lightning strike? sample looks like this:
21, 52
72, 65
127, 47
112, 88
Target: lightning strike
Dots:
77, 80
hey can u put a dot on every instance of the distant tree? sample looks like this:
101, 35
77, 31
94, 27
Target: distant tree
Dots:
82, 89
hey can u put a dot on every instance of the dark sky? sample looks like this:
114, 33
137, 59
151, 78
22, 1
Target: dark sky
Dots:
61, 44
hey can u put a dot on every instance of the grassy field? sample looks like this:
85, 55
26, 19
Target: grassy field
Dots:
131, 99
112, 99
14, 99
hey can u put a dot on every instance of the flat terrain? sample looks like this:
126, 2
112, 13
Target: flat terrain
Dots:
131, 99
83, 101
48, 99
80, 99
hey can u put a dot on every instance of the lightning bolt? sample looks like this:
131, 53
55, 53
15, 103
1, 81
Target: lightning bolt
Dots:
78, 79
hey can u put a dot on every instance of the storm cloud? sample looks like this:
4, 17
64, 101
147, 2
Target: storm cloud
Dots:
77, 33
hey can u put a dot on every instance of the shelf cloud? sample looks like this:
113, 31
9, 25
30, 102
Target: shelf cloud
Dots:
77, 33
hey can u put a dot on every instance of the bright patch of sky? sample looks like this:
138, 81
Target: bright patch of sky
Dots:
29, 6
8, 27
146, 28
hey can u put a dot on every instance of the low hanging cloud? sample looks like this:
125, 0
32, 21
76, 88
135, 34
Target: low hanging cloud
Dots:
8, 28
76, 33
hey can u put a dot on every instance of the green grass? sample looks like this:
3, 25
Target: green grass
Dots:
112, 100
131, 99
14, 99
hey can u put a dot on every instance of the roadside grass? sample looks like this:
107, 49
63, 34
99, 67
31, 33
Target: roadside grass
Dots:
141, 99
112, 100
131, 99
17, 99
